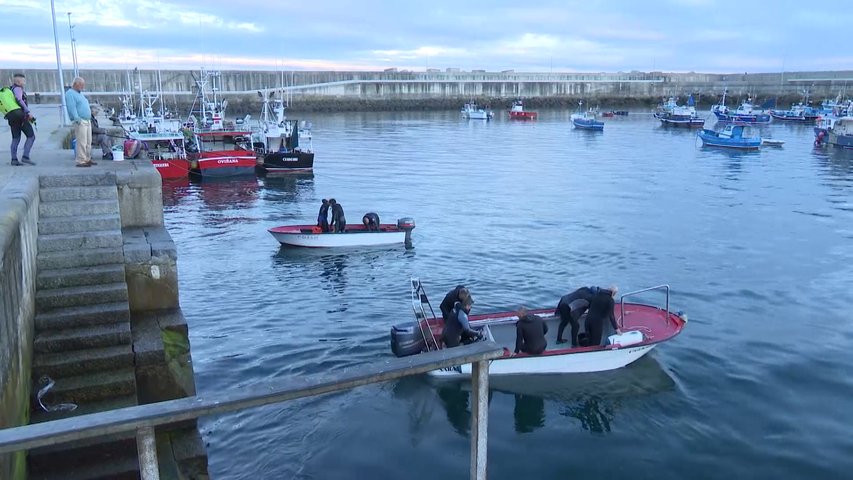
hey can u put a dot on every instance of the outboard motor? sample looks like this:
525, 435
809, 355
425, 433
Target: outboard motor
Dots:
406, 224
407, 339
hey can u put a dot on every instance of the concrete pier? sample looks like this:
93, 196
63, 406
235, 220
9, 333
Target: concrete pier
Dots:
89, 298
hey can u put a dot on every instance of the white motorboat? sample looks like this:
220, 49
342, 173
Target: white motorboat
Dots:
355, 235
643, 326
472, 111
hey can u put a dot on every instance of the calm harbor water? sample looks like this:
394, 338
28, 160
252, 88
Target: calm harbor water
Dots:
758, 248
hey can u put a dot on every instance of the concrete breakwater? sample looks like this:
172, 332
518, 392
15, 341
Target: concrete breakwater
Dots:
89, 298
393, 90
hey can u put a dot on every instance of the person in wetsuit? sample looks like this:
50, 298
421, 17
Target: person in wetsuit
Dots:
371, 222
339, 222
530, 333
456, 295
323, 216
601, 307
569, 309
456, 329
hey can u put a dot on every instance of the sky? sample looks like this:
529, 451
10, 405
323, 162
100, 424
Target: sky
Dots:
494, 35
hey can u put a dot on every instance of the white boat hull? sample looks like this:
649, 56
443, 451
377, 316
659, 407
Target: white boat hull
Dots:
581, 362
330, 240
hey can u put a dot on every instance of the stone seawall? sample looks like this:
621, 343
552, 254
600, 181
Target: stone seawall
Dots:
19, 206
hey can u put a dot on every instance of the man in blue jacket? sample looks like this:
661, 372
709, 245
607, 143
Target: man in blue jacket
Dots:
80, 114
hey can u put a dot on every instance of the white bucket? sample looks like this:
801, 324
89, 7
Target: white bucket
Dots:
118, 153
625, 339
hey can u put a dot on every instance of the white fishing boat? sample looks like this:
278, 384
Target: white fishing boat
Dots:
472, 111
355, 235
643, 326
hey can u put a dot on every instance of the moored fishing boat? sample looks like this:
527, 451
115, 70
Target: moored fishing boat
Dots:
643, 326
838, 133
517, 112
167, 152
279, 141
472, 111
732, 136
672, 114
586, 120
745, 113
222, 153
355, 235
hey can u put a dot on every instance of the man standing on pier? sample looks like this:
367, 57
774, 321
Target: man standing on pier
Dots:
20, 120
80, 114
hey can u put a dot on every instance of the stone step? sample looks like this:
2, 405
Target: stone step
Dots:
80, 276
91, 387
82, 316
40, 416
79, 338
77, 362
77, 180
81, 240
79, 258
112, 457
87, 223
47, 300
78, 209
66, 194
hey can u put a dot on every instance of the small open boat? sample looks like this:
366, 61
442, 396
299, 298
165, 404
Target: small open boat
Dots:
767, 142
730, 137
517, 112
354, 236
644, 327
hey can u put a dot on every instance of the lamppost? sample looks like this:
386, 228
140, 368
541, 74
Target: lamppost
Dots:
73, 46
63, 114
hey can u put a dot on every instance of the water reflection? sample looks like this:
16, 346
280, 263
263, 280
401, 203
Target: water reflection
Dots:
175, 190
288, 188
529, 413
228, 193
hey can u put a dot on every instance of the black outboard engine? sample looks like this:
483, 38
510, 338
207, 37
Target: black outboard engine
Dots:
406, 224
407, 339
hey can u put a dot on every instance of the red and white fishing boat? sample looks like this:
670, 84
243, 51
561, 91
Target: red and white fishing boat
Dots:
166, 150
223, 153
517, 112
643, 326
355, 235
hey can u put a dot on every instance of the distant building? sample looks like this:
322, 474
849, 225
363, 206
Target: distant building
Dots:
453, 70
433, 70
507, 71
478, 71
391, 70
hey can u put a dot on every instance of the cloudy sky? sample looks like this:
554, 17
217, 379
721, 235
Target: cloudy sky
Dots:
537, 35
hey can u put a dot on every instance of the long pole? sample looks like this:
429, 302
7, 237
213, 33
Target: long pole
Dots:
62, 113
73, 46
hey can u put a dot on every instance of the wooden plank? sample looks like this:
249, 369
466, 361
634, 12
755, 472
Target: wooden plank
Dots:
162, 413
479, 420
146, 445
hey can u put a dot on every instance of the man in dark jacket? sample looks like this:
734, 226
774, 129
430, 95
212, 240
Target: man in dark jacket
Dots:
569, 309
456, 295
370, 221
323, 216
339, 222
99, 136
530, 333
456, 329
601, 307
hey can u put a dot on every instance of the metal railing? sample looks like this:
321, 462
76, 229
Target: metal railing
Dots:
419, 299
637, 292
143, 418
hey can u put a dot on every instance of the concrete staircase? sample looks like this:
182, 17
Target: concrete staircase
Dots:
83, 332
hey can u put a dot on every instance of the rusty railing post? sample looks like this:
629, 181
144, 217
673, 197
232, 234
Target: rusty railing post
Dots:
479, 419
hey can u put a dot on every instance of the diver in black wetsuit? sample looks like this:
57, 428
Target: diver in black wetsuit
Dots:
530, 333
323, 216
570, 308
371, 222
339, 222
601, 307
457, 294
456, 328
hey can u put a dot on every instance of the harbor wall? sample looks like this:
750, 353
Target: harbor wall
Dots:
19, 204
369, 89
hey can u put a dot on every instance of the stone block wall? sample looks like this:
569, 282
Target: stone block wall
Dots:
19, 205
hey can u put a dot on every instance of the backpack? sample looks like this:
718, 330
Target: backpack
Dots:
8, 102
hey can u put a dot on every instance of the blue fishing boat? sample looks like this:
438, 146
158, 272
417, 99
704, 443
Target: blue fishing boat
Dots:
732, 136
586, 120
670, 113
745, 113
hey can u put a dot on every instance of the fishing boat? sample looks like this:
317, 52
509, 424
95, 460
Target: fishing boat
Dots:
586, 120
167, 152
472, 111
797, 113
644, 327
355, 235
281, 145
837, 132
745, 113
222, 153
672, 114
732, 136
517, 112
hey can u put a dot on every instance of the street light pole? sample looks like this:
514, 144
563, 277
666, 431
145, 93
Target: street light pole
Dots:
73, 46
62, 113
